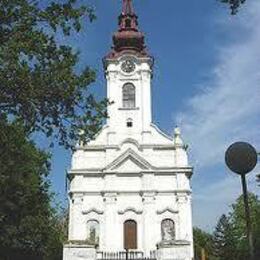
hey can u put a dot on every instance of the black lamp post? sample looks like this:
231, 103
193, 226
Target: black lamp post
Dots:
241, 158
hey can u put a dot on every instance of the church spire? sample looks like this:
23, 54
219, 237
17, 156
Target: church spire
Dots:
128, 20
128, 38
128, 7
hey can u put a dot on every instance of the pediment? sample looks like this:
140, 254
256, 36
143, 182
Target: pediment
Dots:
129, 161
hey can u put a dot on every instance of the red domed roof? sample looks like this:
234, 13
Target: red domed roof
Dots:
128, 39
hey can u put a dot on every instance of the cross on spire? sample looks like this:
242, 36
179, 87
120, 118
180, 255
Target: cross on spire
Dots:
127, 7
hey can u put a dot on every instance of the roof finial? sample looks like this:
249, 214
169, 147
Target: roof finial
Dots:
127, 7
177, 137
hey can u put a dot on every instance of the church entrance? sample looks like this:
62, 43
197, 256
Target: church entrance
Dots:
130, 234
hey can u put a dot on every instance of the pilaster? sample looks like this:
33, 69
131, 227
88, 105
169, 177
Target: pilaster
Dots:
76, 219
149, 219
110, 222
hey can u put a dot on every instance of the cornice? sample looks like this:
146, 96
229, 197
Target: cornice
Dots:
124, 56
117, 147
156, 171
136, 192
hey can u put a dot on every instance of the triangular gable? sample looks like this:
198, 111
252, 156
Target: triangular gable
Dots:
129, 161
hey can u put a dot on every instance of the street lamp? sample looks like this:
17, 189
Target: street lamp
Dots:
241, 158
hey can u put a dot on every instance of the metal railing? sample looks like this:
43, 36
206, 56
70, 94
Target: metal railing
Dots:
126, 255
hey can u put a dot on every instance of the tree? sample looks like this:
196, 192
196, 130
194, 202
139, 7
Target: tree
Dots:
233, 4
202, 240
39, 85
29, 225
239, 223
223, 239
230, 240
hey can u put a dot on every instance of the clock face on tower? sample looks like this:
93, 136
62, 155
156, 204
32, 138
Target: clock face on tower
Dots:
128, 66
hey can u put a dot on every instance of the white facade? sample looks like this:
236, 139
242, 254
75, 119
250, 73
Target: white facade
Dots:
130, 172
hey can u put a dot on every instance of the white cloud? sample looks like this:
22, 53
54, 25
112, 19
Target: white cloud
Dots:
212, 200
228, 106
226, 109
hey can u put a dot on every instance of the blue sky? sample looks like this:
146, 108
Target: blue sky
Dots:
206, 80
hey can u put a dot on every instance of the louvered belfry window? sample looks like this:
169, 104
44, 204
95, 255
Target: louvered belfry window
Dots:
128, 95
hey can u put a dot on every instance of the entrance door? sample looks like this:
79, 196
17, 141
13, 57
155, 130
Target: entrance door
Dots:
130, 234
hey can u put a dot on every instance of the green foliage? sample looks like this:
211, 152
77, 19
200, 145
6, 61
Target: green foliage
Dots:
223, 239
202, 240
29, 225
239, 223
38, 82
233, 4
230, 240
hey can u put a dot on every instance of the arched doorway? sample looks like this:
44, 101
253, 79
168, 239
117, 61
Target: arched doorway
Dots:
130, 234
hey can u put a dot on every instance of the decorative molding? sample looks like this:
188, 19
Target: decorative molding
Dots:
159, 212
173, 244
140, 192
109, 197
78, 244
117, 147
86, 212
130, 141
156, 170
138, 212
182, 198
125, 56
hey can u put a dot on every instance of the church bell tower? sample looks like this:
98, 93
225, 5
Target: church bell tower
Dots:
128, 69
129, 192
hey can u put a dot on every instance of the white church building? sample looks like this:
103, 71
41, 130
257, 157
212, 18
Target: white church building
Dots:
130, 186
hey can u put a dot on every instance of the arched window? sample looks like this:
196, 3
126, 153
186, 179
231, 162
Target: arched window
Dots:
93, 232
128, 95
168, 230
130, 234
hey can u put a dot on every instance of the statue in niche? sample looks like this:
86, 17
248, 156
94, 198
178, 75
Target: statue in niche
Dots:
168, 230
93, 232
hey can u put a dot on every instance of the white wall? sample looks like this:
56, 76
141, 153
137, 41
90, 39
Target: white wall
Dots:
134, 173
